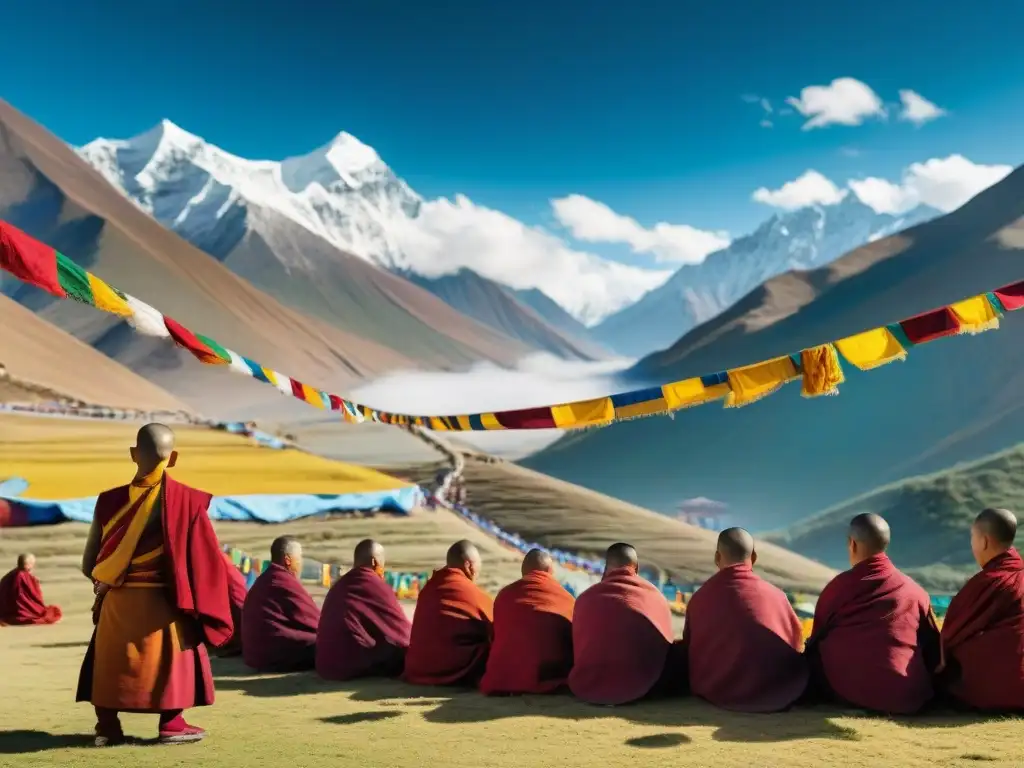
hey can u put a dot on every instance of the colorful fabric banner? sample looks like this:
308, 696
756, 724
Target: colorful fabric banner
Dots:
818, 367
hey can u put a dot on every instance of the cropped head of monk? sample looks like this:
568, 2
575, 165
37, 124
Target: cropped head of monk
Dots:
154, 445
735, 547
287, 552
621, 555
992, 534
464, 556
26, 562
868, 536
369, 554
538, 560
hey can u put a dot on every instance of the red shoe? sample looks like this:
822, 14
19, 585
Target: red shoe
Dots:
184, 735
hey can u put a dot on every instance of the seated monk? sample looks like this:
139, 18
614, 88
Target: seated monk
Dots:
158, 576
363, 630
621, 634
279, 618
742, 639
532, 648
875, 642
452, 625
21, 597
983, 633
236, 596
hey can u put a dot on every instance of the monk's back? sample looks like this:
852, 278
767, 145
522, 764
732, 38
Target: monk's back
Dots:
876, 638
621, 634
744, 643
279, 623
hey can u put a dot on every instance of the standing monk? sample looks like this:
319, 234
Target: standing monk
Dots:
875, 642
742, 639
160, 598
21, 596
983, 634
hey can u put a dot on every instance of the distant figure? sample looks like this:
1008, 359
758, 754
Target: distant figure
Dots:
742, 639
363, 630
452, 626
21, 597
875, 642
621, 634
236, 595
983, 632
158, 576
279, 618
532, 648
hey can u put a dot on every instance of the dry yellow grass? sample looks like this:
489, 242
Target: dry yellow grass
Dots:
69, 458
264, 720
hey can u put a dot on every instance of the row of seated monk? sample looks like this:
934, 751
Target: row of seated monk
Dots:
875, 642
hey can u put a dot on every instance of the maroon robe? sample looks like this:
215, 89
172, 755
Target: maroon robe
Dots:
875, 642
621, 638
363, 630
21, 601
192, 573
744, 643
983, 637
279, 622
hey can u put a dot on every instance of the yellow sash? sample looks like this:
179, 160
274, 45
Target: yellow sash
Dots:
112, 570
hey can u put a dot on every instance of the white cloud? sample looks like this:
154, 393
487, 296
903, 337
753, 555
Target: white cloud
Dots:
538, 380
845, 101
766, 123
448, 235
594, 222
917, 109
942, 183
809, 189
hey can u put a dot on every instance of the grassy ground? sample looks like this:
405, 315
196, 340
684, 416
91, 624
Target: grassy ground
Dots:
262, 720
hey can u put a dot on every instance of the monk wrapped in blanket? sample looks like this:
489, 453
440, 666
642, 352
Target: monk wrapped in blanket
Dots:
21, 597
532, 647
983, 632
363, 630
452, 626
279, 618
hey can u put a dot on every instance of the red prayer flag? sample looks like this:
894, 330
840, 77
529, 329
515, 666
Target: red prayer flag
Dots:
931, 325
29, 260
1011, 296
183, 337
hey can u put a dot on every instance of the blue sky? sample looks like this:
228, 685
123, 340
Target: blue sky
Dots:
637, 105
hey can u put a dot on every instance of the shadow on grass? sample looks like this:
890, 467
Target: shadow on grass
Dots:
76, 644
659, 741
361, 717
25, 742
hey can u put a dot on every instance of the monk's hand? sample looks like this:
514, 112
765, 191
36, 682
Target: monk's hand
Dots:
100, 589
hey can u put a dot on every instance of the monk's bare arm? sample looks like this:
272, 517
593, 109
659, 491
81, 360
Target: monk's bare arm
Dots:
92, 548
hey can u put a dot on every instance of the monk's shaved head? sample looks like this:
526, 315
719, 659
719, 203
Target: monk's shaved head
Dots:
871, 532
621, 555
466, 557
26, 561
366, 553
285, 546
538, 560
154, 443
735, 545
1000, 525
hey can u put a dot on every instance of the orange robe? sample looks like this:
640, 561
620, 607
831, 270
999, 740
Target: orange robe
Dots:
875, 642
622, 640
744, 644
532, 647
148, 652
983, 638
21, 600
451, 631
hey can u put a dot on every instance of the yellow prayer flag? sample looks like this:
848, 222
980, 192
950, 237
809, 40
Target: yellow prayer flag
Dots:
690, 392
104, 297
750, 383
584, 413
490, 421
312, 396
975, 315
871, 349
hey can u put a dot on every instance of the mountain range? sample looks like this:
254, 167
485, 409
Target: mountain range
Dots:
783, 458
803, 239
